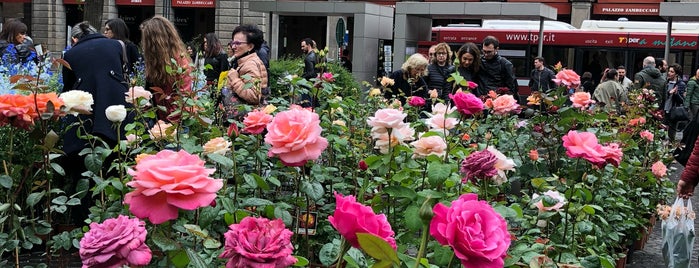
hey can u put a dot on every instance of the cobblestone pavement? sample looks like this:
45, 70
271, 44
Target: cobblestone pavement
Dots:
652, 256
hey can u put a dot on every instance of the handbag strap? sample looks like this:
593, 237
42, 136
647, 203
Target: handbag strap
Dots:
124, 60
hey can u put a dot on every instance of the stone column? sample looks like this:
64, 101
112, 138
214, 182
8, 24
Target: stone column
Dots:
580, 11
49, 25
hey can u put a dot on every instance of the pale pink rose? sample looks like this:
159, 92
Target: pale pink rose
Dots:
351, 217
612, 153
387, 118
258, 242
416, 101
438, 123
504, 104
441, 108
168, 181
137, 92
432, 145
467, 103
398, 136
568, 78
115, 243
659, 169
647, 135
131, 139
477, 234
217, 146
560, 201
294, 136
162, 131
581, 100
503, 164
584, 145
433, 94
256, 121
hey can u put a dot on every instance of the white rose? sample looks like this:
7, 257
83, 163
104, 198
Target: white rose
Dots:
77, 101
116, 113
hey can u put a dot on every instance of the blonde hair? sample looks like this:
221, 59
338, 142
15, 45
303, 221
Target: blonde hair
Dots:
443, 46
416, 60
161, 42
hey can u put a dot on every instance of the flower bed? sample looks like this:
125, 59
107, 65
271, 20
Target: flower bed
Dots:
357, 181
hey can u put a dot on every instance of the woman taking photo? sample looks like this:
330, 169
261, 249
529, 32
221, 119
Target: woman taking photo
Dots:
408, 81
12, 47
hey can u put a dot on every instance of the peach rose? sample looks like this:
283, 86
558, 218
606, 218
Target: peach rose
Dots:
217, 146
432, 145
556, 196
646, 135
581, 100
385, 81
659, 169
135, 93
294, 136
504, 105
256, 121
168, 181
439, 123
534, 155
162, 130
398, 136
568, 78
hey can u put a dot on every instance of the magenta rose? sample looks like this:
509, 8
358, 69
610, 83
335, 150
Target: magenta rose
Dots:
477, 234
479, 165
327, 77
387, 118
115, 243
168, 181
256, 121
258, 243
416, 101
584, 145
295, 138
472, 85
351, 218
467, 103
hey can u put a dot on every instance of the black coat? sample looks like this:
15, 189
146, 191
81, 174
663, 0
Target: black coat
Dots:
437, 79
133, 56
402, 89
497, 73
96, 64
219, 63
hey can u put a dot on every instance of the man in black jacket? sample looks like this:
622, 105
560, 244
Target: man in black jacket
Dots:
309, 70
541, 78
496, 72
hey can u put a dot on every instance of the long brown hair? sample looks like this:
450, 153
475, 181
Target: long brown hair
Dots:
161, 42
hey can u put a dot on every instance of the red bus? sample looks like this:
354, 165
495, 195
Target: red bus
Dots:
581, 50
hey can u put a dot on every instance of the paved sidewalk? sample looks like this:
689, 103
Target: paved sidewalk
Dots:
652, 256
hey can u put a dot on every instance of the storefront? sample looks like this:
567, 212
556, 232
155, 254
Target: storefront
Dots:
194, 18
133, 12
17, 9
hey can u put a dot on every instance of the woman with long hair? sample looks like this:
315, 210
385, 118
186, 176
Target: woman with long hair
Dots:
117, 29
215, 57
12, 47
408, 81
469, 65
439, 70
161, 42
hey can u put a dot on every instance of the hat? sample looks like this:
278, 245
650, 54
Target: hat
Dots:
78, 32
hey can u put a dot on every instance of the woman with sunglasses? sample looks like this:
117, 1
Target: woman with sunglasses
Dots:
117, 29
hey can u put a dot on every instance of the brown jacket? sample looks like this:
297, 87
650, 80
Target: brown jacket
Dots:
691, 169
248, 65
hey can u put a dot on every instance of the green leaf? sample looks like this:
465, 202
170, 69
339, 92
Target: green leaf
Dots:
178, 258
34, 198
328, 253
6, 181
261, 183
60, 200
400, 191
438, 173
301, 261
314, 190
412, 218
93, 162
382, 264
228, 218
194, 259
377, 248
163, 242
73, 202
584, 227
256, 202
221, 160
56, 167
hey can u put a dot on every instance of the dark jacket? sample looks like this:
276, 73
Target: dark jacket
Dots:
21, 53
692, 96
470, 75
219, 63
402, 88
437, 79
133, 56
309, 66
497, 73
690, 174
263, 54
104, 80
651, 78
542, 80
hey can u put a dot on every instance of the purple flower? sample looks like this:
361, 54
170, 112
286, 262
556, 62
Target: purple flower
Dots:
479, 164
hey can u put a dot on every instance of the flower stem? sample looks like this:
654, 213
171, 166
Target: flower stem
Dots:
344, 247
423, 244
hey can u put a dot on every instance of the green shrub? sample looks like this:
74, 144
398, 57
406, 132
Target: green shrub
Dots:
279, 69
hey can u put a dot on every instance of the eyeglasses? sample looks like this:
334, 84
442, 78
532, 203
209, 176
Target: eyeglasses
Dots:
487, 52
236, 43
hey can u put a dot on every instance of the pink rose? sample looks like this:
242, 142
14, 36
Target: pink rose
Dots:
479, 165
256, 121
441, 108
647, 135
398, 136
168, 181
477, 234
637, 121
560, 201
568, 78
533, 154
504, 104
581, 100
295, 138
387, 118
258, 242
115, 243
135, 93
584, 145
502, 165
327, 77
612, 153
416, 101
439, 123
351, 218
467, 103
432, 145
472, 85
659, 169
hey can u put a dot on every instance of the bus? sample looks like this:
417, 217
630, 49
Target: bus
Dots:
582, 50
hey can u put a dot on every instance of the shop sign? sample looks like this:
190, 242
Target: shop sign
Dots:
135, 2
15, 1
193, 3
627, 9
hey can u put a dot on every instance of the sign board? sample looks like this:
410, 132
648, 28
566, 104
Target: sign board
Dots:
626, 9
135, 2
194, 3
340, 31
